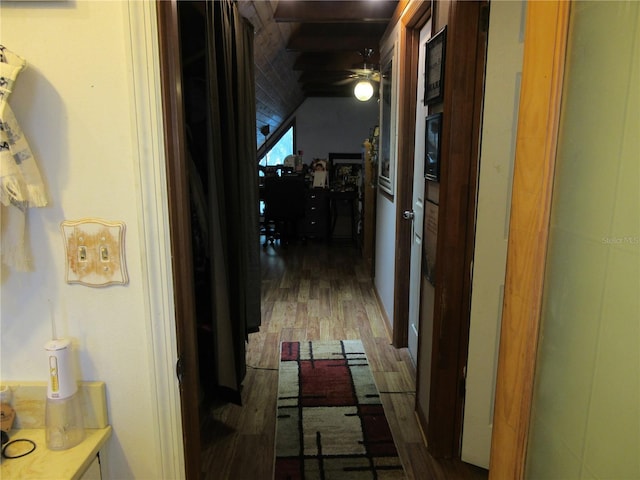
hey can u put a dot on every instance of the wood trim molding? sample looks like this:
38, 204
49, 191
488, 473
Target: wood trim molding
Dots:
482, 37
385, 318
157, 270
180, 226
460, 135
395, 18
407, 82
536, 140
414, 16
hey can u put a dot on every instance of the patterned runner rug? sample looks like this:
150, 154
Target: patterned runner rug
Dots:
331, 424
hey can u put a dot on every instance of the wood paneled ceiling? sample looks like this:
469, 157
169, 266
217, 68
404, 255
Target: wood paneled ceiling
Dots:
310, 49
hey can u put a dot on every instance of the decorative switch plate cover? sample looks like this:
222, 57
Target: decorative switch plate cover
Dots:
94, 251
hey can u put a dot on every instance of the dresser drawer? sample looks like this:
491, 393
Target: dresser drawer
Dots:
316, 216
316, 228
317, 199
315, 210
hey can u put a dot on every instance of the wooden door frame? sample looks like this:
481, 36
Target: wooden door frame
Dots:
462, 114
536, 141
464, 88
412, 18
180, 230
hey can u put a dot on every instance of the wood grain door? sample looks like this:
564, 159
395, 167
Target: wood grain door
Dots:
462, 107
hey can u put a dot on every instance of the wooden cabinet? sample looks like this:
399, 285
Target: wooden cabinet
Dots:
316, 217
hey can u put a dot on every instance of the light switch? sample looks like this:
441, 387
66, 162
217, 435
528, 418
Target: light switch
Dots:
94, 252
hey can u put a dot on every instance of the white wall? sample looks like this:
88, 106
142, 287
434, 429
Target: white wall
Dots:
76, 105
385, 254
334, 125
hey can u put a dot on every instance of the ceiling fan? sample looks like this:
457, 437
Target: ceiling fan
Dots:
367, 72
363, 77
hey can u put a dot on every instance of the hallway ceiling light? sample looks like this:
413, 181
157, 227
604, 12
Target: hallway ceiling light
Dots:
363, 90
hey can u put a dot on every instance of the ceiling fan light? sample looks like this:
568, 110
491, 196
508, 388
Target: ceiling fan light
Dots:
363, 90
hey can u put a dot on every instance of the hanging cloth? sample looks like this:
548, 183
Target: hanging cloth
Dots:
232, 186
21, 185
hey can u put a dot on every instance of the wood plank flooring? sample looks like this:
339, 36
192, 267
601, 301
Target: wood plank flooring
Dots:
316, 292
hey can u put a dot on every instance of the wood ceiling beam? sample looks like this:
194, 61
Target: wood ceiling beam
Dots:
329, 92
334, 11
335, 37
324, 76
319, 61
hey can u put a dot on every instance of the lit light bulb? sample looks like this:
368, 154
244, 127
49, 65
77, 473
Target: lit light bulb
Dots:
363, 90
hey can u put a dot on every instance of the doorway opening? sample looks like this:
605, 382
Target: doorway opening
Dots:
187, 303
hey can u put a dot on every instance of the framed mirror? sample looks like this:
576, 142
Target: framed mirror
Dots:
387, 152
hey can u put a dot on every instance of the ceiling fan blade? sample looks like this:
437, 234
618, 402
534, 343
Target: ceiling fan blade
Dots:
345, 81
363, 72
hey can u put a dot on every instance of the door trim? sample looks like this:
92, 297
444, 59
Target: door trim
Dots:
536, 140
462, 112
180, 230
412, 19
154, 231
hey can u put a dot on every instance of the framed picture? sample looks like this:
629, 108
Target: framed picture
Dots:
346, 170
387, 151
432, 135
434, 67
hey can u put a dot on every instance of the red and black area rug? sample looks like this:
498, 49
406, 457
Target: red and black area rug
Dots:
331, 424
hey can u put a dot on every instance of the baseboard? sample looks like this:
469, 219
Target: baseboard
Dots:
387, 323
422, 424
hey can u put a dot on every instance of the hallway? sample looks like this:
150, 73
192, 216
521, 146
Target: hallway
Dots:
315, 292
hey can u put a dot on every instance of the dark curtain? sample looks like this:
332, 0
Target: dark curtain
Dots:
232, 184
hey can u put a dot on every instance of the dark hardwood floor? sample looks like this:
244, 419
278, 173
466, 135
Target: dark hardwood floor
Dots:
316, 291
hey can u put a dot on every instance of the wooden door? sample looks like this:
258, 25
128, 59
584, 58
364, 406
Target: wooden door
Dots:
417, 213
462, 107
179, 216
